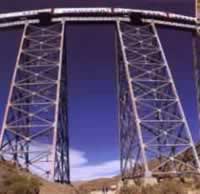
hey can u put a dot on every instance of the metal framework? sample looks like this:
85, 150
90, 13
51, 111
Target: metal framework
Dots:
101, 14
34, 133
154, 133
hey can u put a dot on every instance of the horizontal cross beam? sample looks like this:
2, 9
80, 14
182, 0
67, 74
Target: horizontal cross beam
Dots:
14, 19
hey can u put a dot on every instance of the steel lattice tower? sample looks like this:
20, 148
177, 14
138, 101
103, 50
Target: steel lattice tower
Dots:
35, 126
154, 132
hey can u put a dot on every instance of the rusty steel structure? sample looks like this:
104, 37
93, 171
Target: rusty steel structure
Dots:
154, 132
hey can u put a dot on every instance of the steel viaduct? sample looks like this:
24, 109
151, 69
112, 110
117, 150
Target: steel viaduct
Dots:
154, 132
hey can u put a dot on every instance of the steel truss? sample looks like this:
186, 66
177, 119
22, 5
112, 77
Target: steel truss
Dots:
154, 132
35, 126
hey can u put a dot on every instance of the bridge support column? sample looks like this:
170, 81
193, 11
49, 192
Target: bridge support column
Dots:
153, 128
35, 127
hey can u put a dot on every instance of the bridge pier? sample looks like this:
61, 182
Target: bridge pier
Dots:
35, 125
153, 128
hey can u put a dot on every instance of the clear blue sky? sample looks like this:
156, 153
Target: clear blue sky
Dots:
92, 81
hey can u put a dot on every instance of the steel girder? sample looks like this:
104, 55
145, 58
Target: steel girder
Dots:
154, 132
35, 126
103, 14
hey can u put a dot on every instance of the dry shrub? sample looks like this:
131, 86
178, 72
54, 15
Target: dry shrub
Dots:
197, 182
83, 190
172, 187
150, 190
18, 184
130, 190
165, 187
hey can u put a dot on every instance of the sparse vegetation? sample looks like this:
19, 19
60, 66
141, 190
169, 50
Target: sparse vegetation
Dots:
13, 181
197, 182
165, 187
20, 184
130, 190
82, 190
18, 181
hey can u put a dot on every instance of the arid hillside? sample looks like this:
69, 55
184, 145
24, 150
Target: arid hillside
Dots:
18, 181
